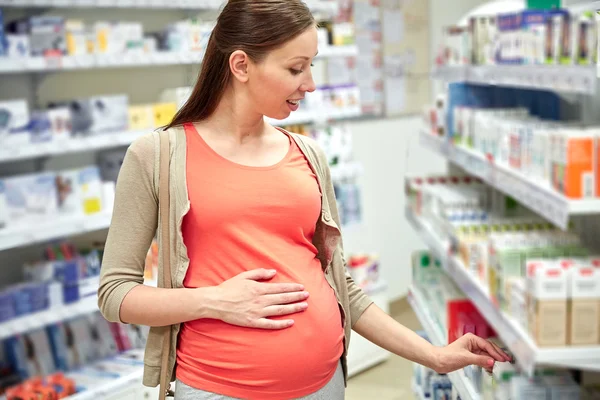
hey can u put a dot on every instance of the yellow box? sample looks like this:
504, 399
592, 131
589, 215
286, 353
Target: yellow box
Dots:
141, 117
164, 113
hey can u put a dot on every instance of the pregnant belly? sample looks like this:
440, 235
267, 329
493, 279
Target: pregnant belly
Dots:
255, 363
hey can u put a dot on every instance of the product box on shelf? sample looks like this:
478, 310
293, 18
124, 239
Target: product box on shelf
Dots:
457, 50
90, 187
3, 43
585, 39
3, 205
508, 38
583, 309
533, 36
14, 123
76, 37
163, 114
30, 354
61, 124
561, 35
31, 197
141, 117
547, 303
99, 114
17, 46
483, 33
47, 36
574, 163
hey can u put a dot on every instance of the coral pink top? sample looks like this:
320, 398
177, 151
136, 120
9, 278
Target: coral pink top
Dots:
242, 218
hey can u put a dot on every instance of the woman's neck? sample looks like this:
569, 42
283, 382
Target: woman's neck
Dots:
234, 117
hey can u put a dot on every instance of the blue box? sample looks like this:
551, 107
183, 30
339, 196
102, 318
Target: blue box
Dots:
58, 344
14, 348
3, 43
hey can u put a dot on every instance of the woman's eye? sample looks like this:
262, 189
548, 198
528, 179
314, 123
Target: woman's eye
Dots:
295, 71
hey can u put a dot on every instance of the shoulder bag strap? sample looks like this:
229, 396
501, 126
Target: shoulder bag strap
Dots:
163, 203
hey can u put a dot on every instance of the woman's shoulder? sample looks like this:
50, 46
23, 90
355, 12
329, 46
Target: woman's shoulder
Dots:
311, 146
148, 145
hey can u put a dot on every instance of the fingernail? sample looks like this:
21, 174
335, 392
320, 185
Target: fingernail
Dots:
305, 293
272, 271
304, 305
490, 362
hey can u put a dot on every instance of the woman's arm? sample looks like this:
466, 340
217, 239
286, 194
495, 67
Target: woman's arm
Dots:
122, 297
381, 329
371, 322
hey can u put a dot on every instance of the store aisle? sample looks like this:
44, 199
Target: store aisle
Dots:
390, 380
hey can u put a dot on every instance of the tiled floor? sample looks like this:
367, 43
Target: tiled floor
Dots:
390, 380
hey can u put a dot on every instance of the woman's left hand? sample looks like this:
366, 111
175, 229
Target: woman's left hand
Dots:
469, 350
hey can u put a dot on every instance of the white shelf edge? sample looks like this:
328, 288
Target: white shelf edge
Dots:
38, 320
562, 78
540, 198
526, 353
73, 145
128, 60
49, 230
459, 380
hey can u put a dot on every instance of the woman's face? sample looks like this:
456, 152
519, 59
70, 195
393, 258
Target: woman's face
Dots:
281, 80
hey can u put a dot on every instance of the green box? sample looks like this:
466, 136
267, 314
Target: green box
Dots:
543, 4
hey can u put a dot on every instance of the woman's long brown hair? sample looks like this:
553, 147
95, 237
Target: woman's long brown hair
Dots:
253, 26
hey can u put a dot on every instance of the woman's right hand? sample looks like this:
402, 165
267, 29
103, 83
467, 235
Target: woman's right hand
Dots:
246, 301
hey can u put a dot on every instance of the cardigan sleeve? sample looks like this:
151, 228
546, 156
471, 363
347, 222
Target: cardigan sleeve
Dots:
359, 301
133, 226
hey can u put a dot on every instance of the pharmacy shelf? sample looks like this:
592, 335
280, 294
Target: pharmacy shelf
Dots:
520, 343
97, 61
127, 60
459, 380
38, 320
537, 196
57, 228
329, 7
562, 78
41, 319
125, 138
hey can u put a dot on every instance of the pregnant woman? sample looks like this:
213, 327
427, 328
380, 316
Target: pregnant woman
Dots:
261, 305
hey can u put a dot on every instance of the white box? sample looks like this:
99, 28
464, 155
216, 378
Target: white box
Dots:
31, 197
583, 311
547, 302
3, 206
14, 121
18, 46
90, 185
61, 123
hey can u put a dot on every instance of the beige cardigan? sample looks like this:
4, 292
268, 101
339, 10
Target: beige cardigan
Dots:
135, 222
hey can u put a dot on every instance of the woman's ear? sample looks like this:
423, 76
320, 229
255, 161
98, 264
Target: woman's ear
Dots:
238, 63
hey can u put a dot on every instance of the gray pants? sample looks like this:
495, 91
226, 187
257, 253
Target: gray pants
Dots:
334, 390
